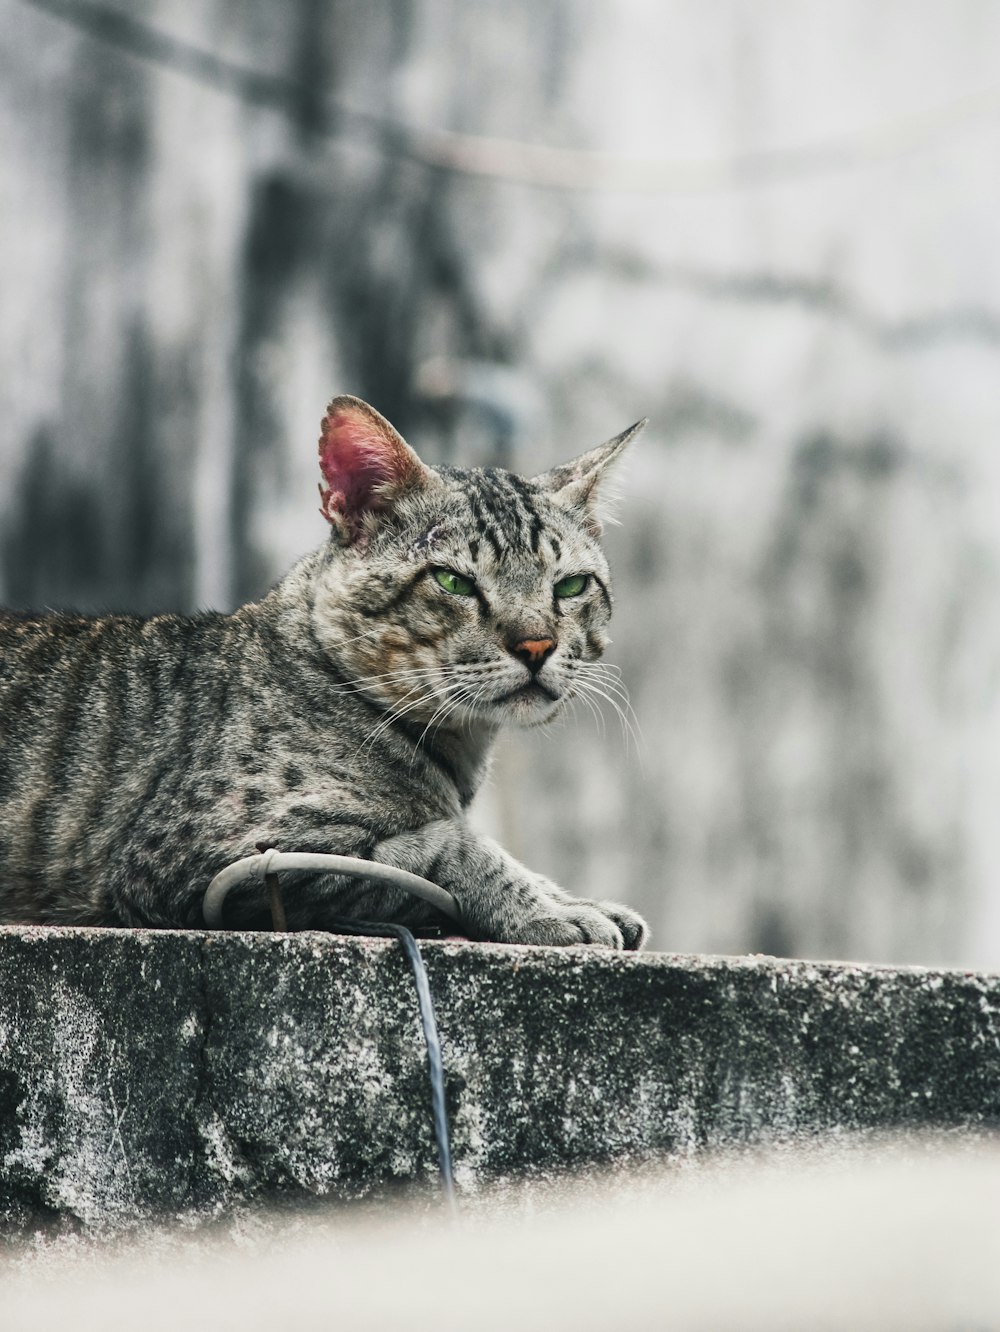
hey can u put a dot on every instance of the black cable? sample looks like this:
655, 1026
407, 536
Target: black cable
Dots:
428, 1023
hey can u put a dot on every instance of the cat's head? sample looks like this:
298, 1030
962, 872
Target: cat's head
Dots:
459, 596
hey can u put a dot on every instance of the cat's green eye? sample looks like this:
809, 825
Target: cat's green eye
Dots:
571, 586
454, 582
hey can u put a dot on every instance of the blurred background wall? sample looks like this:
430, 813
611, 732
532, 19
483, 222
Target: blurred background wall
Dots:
515, 226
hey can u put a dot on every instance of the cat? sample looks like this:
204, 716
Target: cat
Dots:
351, 710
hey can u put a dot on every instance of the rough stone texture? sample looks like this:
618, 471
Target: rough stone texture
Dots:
173, 1075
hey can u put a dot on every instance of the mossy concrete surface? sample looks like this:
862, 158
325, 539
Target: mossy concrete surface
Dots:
157, 1075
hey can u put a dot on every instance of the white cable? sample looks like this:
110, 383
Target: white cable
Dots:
253, 869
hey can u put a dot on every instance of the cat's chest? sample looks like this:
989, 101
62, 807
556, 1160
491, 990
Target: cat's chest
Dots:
301, 780
303, 764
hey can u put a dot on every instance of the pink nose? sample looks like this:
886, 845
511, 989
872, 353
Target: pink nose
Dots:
533, 651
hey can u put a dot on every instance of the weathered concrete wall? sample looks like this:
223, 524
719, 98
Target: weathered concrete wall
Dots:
158, 1075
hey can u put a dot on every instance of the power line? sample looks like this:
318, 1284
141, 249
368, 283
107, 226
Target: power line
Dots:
517, 161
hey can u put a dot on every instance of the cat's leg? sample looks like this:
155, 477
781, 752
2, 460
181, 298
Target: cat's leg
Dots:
500, 898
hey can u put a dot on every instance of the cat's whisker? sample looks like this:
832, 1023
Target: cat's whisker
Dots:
613, 685
588, 687
444, 713
436, 717
616, 698
473, 704
400, 674
603, 670
456, 692
440, 714
617, 691
627, 730
595, 710
473, 700
365, 633
604, 667
469, 696
393, 677
404, 674
393, 715
619, 697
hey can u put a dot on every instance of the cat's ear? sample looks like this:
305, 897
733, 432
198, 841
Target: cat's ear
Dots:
578, 484
366, 466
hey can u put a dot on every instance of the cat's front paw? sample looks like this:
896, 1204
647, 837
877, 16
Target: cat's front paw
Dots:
634, 930
602, 924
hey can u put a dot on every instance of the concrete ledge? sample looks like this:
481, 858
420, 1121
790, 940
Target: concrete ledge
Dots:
152, 1075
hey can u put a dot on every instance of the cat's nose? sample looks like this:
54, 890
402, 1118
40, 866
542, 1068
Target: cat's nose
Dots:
534, 652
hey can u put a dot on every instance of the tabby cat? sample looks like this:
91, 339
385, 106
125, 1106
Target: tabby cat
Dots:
352, 710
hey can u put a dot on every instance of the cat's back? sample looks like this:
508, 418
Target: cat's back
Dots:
77, 690
49, 659
46, 659
46, 640
28, 640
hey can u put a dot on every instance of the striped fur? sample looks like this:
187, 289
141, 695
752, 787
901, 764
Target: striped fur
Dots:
351, 710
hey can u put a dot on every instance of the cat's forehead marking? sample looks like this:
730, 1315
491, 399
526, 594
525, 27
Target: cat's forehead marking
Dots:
505, 510
507, 526
434, 536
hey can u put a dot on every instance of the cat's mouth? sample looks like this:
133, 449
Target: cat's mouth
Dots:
531, 689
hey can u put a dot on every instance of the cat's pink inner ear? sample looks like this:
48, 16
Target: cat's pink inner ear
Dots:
364, 461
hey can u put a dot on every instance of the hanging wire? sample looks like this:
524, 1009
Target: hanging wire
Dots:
262, 870
514, 161
428, 1024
